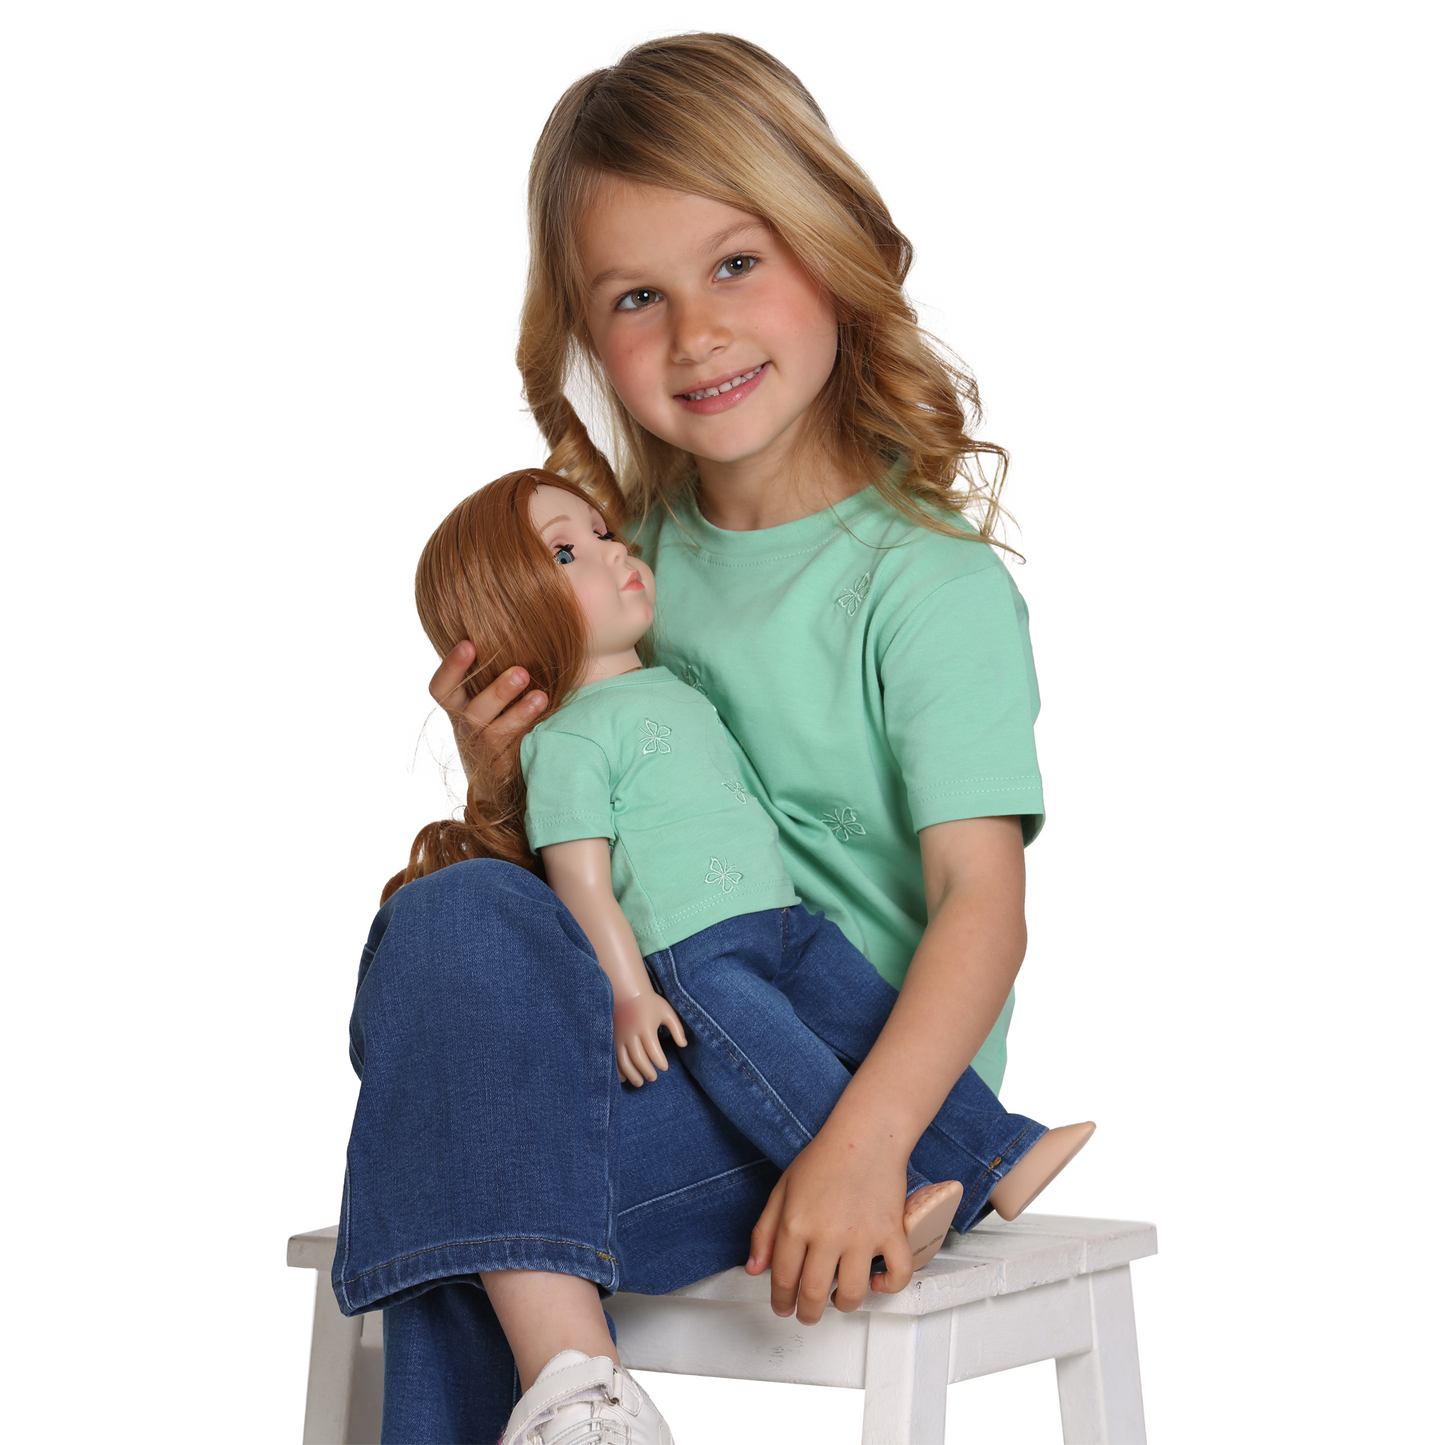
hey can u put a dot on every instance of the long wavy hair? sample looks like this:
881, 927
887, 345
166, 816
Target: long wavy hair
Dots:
486, 576
715, 116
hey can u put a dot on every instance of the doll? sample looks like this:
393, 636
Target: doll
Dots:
626, 797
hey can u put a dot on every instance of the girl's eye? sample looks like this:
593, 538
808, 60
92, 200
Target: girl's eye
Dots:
564, 554
637, 300
735, 266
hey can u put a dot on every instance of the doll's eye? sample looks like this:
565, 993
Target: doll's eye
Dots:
735, 266
637, 300
607, 536
564, 554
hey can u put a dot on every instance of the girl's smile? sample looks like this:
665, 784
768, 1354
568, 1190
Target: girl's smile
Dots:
713, 397
712, 334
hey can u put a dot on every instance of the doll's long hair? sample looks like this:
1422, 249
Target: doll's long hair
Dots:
487, 576
715, 116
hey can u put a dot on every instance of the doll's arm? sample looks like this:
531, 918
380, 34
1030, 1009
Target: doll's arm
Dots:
580, 873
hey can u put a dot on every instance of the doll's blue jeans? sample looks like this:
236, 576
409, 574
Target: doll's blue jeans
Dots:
491, 1132
779, 1010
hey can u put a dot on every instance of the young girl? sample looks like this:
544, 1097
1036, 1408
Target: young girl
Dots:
787, 447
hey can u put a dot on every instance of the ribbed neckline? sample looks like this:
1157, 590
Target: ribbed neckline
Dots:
801, 535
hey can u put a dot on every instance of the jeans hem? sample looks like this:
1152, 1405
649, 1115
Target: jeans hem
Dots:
411, 1274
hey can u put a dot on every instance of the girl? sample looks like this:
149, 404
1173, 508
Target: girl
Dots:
787, 447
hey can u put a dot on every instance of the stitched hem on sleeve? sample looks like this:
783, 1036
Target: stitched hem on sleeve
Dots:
567, 828
981, 798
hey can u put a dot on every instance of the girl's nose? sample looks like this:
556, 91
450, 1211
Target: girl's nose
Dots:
697, 331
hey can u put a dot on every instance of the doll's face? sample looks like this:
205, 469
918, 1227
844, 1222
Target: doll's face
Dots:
616, 592
689, 295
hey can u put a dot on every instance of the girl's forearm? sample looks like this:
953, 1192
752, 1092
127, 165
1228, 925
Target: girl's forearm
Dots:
954, 991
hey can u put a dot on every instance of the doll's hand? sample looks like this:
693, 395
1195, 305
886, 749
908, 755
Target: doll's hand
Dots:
837, 1205
635, 1022
487, 726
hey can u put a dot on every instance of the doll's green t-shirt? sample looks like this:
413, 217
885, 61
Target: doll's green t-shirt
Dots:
643, 761
877, 678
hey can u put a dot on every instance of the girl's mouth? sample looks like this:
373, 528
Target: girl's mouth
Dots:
709, 400
633, 583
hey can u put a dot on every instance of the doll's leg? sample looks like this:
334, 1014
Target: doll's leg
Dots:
772, 1076
1004, 1160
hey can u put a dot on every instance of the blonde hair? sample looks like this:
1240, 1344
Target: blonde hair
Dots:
715, 116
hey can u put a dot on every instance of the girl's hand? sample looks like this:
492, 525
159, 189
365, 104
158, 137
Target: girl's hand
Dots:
491, 722
635, 1022
837, 1205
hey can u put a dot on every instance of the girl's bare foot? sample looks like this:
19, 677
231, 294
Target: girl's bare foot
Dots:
1038, 1169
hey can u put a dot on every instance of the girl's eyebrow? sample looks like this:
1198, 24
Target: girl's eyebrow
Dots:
545, 525
753, 223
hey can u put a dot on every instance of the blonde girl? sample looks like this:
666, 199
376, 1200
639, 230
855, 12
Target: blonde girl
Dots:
795, 461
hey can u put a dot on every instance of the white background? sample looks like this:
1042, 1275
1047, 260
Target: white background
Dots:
262, 266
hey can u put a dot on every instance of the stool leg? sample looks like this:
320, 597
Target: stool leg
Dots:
1100, 1397
906, 1379
335, 1344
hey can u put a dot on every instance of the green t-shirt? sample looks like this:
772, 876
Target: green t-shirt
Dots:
877, 678
643, 761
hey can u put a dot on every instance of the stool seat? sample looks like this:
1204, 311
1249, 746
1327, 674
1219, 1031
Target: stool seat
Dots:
1003, 1295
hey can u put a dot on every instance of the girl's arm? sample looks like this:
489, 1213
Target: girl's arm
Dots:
580, 874
840, 1202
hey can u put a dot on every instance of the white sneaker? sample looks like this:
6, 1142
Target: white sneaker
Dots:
577, 1401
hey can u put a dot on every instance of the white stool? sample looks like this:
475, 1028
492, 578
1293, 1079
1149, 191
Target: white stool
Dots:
1042, 1288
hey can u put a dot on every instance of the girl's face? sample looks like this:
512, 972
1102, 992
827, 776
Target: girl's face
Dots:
616, 592
688, 297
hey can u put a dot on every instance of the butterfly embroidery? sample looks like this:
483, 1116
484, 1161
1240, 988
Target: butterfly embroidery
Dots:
737, 790
852, 598
844, 823
723, 875
656, 738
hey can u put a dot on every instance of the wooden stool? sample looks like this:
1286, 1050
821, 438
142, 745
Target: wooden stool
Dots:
1042, 1288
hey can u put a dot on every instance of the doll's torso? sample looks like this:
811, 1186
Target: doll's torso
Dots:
643, 761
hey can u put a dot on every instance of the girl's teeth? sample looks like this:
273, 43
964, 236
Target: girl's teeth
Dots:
726, 386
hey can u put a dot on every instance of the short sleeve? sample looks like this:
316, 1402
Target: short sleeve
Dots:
569, 788
960, 698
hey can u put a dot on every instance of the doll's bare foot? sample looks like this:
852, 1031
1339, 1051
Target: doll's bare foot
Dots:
927, 1213
1038, 1169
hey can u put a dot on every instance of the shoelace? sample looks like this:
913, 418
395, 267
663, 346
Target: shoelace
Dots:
591, 1432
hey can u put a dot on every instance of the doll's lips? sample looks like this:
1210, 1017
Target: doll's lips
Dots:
633, 583
724, 393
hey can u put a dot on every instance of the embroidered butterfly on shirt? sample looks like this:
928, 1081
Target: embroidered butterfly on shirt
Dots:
655, 738
844, 823
692, 678
852, 598
724, 876
737, 790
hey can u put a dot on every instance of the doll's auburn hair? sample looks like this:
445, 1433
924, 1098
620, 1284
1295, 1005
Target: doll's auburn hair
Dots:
716, 116
486, 576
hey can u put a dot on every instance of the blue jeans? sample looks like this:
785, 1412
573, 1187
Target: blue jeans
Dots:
491, 1132
780, 1009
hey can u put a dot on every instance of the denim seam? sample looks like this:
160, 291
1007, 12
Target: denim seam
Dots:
469, 1243
738, 1055
988, 1173
346, 1259
704, 1186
